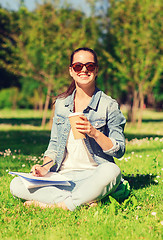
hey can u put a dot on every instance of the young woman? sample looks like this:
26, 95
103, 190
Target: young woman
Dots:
88, 163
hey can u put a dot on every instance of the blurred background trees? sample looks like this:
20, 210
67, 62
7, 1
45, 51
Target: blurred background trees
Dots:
135, 48
35, 47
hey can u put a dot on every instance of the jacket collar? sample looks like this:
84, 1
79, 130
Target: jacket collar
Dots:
95, 99
69, 101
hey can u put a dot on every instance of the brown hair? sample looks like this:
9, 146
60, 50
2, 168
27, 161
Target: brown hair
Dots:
72, 86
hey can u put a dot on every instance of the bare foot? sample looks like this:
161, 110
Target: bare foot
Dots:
44, 205
92, 204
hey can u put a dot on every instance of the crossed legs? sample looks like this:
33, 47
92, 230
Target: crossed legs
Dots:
86, 186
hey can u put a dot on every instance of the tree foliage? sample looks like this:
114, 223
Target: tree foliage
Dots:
134, 46
41, 43
7, 78
35, 48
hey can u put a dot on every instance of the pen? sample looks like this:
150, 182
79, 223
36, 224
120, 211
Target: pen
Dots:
44, 164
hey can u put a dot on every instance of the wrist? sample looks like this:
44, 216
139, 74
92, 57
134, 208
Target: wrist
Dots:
96, 134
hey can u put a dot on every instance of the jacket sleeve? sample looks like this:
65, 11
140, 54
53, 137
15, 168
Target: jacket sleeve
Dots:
116, 122
52, 147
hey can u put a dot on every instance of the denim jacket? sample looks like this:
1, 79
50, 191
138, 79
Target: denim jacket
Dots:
102, 112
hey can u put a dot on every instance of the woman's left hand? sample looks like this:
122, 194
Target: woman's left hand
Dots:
84, 126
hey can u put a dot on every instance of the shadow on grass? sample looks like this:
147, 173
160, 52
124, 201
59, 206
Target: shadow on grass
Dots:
21, 121
139, 181
152, 120
27, 142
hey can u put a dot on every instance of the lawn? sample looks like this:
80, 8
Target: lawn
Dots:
138, 217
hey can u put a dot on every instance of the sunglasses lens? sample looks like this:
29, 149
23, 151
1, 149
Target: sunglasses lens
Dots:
91, 67
77, 67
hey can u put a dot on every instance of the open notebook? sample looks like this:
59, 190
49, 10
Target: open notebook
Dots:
51, 178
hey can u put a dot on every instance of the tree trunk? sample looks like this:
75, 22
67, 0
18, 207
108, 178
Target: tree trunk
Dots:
129, 105
134, 106
141, 99
46, 106
40, 99
41, 104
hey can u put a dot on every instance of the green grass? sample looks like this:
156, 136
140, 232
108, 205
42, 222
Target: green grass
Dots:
138, 217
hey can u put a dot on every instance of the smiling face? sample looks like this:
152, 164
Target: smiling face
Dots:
83, 78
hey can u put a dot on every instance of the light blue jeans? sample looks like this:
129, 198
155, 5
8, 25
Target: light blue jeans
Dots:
86, 186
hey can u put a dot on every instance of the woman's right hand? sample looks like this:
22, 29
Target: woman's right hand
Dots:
38, 171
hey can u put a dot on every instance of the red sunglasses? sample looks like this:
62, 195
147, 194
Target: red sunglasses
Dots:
90, 66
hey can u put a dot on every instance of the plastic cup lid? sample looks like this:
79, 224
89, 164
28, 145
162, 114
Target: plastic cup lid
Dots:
75, 114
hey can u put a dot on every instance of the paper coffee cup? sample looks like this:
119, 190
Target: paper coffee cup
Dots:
74, 117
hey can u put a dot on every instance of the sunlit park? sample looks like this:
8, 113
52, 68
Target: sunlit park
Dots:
36, 41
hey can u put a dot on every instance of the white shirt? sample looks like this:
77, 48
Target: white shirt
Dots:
77, 156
